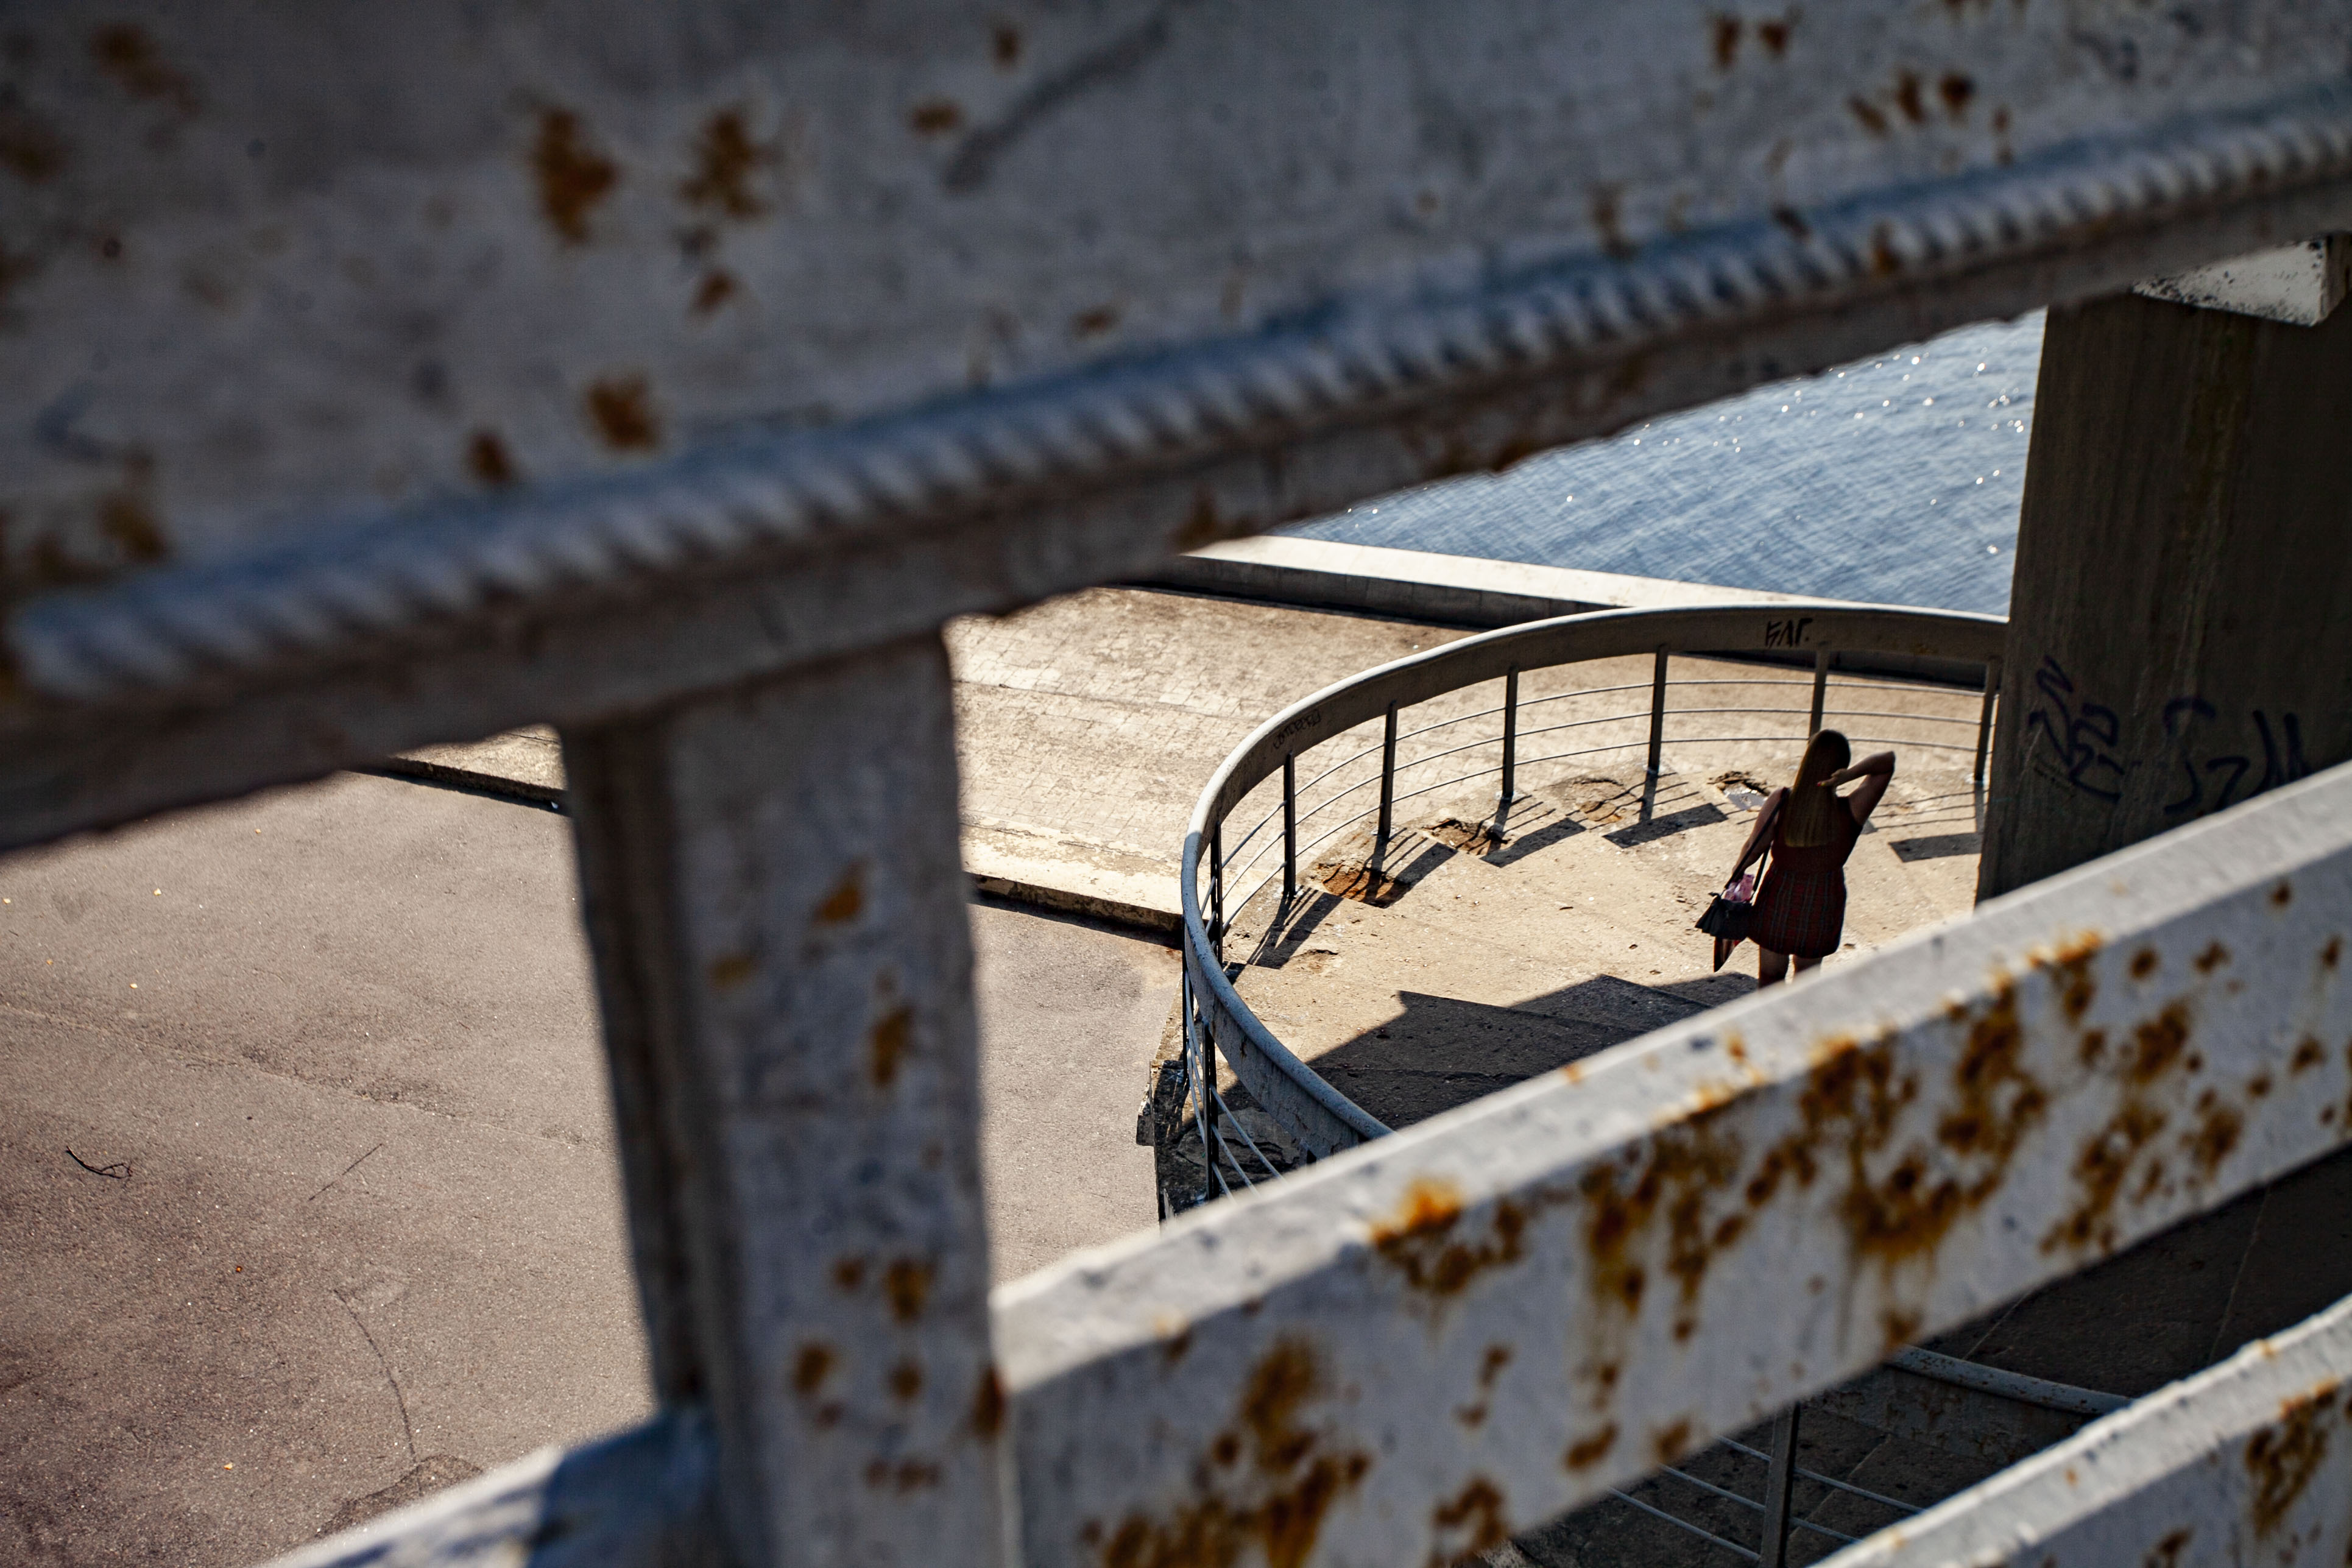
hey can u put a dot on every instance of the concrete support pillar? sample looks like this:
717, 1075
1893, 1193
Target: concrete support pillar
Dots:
2180, 631
778, 913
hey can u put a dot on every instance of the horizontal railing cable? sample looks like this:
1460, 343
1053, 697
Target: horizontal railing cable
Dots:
1241, 1128
1496, 771
1584, 723
1604, 691
1726, 1492
1878, 1498
1446, 724
1307, 812
1906, 718
1683, 1524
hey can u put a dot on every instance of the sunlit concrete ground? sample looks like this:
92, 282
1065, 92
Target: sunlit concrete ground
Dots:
353, 1230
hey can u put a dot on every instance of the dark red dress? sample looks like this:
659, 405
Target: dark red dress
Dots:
1801, 909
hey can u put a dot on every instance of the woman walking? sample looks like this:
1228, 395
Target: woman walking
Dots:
1812, 829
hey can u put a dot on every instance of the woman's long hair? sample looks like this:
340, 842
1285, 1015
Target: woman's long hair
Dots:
1811, 799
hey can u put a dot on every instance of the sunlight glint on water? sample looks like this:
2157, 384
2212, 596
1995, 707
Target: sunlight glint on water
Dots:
1894, 479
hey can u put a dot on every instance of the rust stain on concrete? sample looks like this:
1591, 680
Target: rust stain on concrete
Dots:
988, 1406
906, 1284
1588, 1450
1276, 1502
726, 160
574, 176
128, 57
1478, 1508
621, 410
487, 461
848, 896
2282, 1459
887, 1043
1421, 1242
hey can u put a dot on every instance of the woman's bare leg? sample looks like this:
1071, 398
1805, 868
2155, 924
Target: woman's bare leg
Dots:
1804, 964
1771, 968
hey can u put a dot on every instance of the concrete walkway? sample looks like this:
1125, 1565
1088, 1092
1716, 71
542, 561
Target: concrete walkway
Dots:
307, 1185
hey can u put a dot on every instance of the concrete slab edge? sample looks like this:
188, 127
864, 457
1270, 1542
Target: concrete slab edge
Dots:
1468, 590
1075, 876
1459, 589
1058, 874
525, 791
1079, 901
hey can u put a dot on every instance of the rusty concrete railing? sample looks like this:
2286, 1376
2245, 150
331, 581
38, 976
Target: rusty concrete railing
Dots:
670, 374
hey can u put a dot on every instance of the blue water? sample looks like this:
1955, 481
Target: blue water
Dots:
1894, 479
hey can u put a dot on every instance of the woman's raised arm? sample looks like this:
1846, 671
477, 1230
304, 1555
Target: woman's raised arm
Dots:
1875, 771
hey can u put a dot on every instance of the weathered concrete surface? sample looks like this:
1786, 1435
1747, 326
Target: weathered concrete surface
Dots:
1085, 727
367, 1221
1069, 1015
369, 1237
2182, 592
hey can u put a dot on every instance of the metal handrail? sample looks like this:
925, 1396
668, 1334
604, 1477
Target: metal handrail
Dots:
1319, 1117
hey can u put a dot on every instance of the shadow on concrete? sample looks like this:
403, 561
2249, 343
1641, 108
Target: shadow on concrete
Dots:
1937, 847
1612, 1003
1280, 941
1441, 1052
1714, 990
1559, 830
1666, 827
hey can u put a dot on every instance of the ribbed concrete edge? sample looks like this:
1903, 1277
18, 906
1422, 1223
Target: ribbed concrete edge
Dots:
1457, 590
1005, 860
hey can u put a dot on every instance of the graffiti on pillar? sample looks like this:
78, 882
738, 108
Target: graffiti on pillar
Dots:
2211, 762
2080, 732
2208, 782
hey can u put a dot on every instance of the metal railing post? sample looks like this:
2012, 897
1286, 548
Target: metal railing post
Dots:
1821, 690
1289, 828
1780, 1490
1984, 719
1657, 712
1217, 884
1510, 743
1388, 782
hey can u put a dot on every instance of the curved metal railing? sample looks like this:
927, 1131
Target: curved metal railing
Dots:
1945, 648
